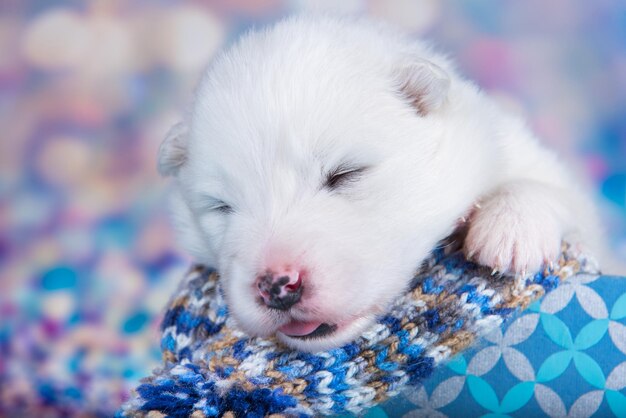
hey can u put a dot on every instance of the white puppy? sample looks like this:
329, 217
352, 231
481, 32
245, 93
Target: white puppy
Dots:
323, 160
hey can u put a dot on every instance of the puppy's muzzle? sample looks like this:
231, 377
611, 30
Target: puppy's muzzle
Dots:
280, 290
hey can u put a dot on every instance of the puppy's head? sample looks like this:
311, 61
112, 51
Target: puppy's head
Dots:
306, 173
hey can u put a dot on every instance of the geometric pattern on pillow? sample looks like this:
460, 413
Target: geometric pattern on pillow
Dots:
564, 356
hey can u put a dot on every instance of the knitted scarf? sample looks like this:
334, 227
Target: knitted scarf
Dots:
210, 368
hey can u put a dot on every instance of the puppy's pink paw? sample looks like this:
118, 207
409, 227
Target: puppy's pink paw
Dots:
515, 231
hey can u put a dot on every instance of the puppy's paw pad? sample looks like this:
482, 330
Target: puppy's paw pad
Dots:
513, 235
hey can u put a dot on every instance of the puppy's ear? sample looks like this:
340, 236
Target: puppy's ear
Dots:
173, 150
424, 84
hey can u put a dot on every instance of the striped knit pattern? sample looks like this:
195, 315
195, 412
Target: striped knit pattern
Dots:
213, 369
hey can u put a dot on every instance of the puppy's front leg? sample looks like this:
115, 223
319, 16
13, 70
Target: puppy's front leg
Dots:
519, 226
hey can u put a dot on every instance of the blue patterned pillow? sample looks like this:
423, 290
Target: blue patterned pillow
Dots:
564, 356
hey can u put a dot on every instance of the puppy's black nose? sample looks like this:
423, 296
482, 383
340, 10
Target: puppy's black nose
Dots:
280, 290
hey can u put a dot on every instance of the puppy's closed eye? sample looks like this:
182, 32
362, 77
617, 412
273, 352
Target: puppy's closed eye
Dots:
211, 204
342, 176
223, 208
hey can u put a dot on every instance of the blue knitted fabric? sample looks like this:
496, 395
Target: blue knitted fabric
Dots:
213, 369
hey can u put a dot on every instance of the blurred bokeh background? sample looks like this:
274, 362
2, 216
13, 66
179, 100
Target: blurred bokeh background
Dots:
88, 89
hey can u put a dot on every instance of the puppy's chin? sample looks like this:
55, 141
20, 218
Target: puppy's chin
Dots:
324, 334
334, 336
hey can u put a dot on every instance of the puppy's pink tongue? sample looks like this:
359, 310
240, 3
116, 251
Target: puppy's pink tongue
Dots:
298, 328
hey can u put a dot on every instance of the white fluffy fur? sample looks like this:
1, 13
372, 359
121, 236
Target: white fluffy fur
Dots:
283, 106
